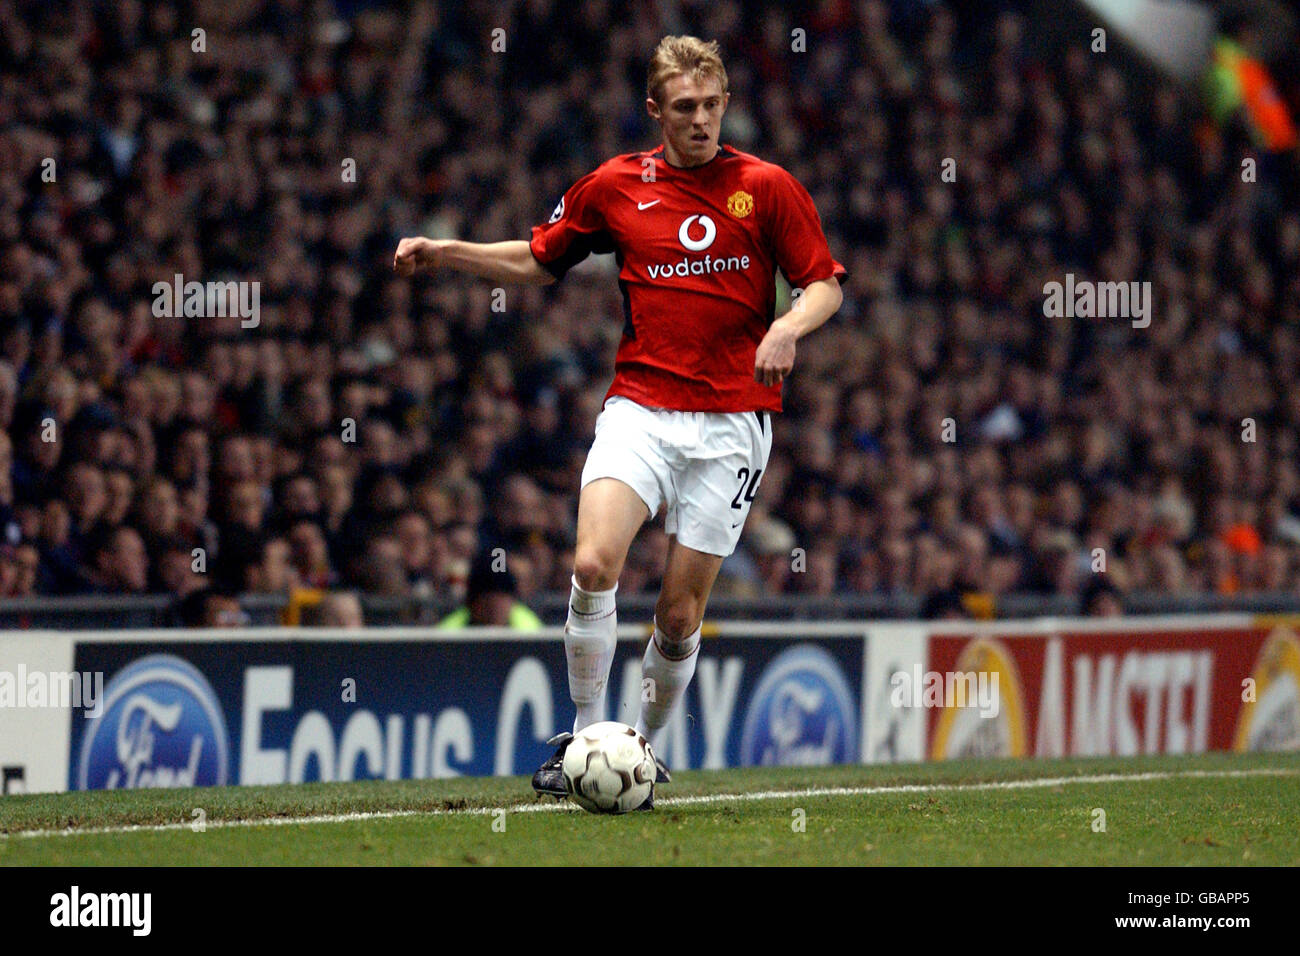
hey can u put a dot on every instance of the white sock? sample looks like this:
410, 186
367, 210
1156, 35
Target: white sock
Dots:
589, 640
669, 666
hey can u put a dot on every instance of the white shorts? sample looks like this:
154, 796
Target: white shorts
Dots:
705, 466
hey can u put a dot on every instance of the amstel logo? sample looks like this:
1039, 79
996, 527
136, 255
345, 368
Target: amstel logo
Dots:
740, 204
1271, 720
963, 731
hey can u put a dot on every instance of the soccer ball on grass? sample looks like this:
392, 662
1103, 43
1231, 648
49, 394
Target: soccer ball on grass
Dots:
609, 768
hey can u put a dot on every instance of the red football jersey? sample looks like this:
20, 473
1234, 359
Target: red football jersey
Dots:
698, 251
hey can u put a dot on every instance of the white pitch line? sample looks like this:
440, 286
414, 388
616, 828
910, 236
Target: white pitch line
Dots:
708, 798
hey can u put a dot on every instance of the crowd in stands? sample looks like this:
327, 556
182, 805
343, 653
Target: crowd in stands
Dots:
942, 435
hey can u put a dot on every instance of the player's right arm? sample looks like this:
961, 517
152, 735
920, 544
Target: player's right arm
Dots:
575, 230
510, 261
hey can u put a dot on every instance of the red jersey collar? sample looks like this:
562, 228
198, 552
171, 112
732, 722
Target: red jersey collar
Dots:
660, 154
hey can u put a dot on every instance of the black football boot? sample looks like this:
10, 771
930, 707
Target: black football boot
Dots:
549, 779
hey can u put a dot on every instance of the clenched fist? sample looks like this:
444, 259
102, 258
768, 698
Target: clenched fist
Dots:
417, 255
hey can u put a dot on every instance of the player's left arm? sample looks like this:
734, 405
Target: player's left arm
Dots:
791, 222
774, 358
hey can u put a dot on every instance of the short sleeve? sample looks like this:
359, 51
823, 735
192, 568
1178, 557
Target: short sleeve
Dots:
795, 231
575, 230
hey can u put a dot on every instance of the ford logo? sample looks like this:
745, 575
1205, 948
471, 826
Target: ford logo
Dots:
161, 726
801, 714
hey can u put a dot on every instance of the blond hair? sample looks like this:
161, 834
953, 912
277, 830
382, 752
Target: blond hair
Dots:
675, 56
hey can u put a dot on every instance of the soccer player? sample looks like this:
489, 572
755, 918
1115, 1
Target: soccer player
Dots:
699, 230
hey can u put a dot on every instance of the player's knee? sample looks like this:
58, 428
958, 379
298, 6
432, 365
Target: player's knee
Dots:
595, 569
678, 617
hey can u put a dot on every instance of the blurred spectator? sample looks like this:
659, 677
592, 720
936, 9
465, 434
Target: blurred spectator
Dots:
772, 544
1101, 599
209, 607
272, 571
176, 570
18, 567
335, 609
118, 563
491, 600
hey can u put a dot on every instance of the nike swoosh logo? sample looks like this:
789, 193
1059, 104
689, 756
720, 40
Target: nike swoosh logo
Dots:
646, 205
737, 524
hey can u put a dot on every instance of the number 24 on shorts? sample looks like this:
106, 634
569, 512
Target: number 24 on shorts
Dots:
748, 485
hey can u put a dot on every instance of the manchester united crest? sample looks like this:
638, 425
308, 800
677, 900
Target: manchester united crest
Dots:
740, 204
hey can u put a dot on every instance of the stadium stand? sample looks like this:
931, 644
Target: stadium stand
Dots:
380, 435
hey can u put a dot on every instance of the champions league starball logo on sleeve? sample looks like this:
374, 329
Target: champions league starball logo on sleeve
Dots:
161, 727
801, 714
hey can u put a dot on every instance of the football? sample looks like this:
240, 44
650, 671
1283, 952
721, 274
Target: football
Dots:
609, 768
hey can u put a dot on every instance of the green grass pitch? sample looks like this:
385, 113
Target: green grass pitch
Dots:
1211, 809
